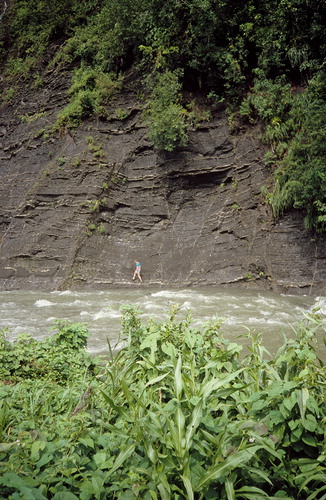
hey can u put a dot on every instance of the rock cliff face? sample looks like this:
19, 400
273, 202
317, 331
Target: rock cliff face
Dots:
77, 209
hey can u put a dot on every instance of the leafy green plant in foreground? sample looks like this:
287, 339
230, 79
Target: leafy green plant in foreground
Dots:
60, 357
176, 413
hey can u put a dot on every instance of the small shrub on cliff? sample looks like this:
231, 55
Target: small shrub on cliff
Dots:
89, 91
166, 117
301, 177
294, 127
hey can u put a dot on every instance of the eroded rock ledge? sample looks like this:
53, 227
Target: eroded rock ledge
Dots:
76, 210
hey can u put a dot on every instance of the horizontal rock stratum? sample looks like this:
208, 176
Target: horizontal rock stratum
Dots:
76, 209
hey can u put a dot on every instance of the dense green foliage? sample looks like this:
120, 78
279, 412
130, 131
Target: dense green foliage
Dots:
176, 413
223, 48
166, 116
60, 357
295, 127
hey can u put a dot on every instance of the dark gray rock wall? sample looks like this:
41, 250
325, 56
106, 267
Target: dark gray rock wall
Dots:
77, 209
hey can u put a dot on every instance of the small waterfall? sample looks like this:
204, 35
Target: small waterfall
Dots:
4, 6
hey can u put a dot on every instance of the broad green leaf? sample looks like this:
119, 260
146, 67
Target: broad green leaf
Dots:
310, 423
290, 402
45, 459
6, 446
151, 452
36, 447
87, 441
33, 494
99, 458
169, 349
65, 495
150, 341
309, 440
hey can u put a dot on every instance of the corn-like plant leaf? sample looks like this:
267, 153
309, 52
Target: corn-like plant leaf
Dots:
229, 488
164, 492
216, 383
196, 417
153, 494
156, 379
321, 477
187, 483
123, 455
178, 378
119, 409
249, 491
209, 437
151, 452
260, 473
302, 395
222, 469
180, 425
267, 444
316, 493
125, 390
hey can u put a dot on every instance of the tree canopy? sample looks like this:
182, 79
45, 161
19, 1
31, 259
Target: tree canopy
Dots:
244, 53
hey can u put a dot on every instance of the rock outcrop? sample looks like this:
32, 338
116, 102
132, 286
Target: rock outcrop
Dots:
76, 209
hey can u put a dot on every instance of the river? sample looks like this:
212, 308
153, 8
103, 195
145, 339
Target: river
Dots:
267, 313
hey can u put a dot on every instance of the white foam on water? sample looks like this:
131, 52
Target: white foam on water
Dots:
169, 294
44, 303
153, 305
321, 304
79, 302
51, 319
106, 313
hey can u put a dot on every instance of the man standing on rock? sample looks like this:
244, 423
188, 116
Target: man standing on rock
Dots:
137, 271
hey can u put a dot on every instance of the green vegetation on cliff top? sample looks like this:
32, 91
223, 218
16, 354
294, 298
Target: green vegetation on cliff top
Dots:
177, 413
264, 60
